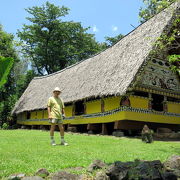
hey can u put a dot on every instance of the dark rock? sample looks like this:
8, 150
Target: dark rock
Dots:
169, 176
33, 178
90, 132
173, 162
23, 127
177, 172
42, 173
16, 176
97, 164
146, 170
72, 129
119, 170
150, 170
164, 130
118, 133
101, 175
63, 175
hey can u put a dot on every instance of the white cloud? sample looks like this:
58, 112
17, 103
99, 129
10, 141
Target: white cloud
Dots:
114, 28
95, 29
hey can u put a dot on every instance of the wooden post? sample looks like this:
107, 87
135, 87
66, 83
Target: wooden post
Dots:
85, 112
150, 101
73, 109
117, 125
165, 108
88, 126
104, 129
102, 104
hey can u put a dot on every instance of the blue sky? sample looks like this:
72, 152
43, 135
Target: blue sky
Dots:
105, 17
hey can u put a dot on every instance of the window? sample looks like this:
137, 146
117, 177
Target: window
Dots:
28, 115
141, 93
157, 102
79, 108
125, 101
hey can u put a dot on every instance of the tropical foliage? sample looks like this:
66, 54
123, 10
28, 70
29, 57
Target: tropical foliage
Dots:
5, 67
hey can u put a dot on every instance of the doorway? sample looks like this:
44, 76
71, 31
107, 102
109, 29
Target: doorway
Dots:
79, 108
157, 102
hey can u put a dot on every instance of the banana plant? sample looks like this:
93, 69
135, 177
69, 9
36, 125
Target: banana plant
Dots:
5, 67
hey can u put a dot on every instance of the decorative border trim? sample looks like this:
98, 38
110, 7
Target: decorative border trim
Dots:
114, 111
158, 91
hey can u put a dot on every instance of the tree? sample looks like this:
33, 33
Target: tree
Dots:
53, 44
152, 7
8, 95
110, 41
5, 67
169, 41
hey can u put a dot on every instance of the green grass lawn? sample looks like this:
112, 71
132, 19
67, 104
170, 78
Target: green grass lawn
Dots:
25, 151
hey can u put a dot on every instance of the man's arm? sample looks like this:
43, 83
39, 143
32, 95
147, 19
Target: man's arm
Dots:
49, 112
63, 113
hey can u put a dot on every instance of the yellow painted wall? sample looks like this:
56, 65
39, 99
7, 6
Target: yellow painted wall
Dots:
45, 114
139, 102
24, 115
173, 107
123, 115
40, 114
93, 106
68, 111
19, 116
111, 103
33, 115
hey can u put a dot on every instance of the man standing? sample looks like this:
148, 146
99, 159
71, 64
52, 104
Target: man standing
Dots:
55, 115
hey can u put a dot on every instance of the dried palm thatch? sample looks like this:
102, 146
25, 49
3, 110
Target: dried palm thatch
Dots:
107, 73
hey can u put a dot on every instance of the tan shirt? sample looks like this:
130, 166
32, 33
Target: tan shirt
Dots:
56, 105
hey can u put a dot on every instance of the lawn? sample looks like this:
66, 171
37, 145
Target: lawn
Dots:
25, 151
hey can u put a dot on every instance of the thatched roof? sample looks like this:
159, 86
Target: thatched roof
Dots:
107, 73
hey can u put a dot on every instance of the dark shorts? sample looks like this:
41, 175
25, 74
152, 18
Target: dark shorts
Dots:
55, 121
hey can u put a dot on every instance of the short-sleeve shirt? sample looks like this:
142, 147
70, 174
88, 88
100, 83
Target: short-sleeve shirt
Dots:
56, 105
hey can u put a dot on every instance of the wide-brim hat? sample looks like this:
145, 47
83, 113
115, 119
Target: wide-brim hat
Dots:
56, 89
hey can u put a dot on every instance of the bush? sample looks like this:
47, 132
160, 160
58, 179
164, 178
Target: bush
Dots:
5, 126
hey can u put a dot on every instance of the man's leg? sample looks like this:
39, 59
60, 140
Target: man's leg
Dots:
61, 129
52, 134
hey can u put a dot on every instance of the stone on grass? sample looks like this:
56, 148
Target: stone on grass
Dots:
146, 170
16, 176
118, 170
173, 162
72, 129
96, 164
32, 178
101, 175
169, 176
63, 175
42, 172
141, 170
118, 133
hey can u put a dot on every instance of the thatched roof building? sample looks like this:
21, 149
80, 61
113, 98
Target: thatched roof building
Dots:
111, 72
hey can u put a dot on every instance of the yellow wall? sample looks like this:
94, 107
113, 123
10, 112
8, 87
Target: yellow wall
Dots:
24, 115
93, 106
173, 107
19, 116
139, 102
33, 115
122, 115
39, 114
45, 114
68, 111
111, 103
